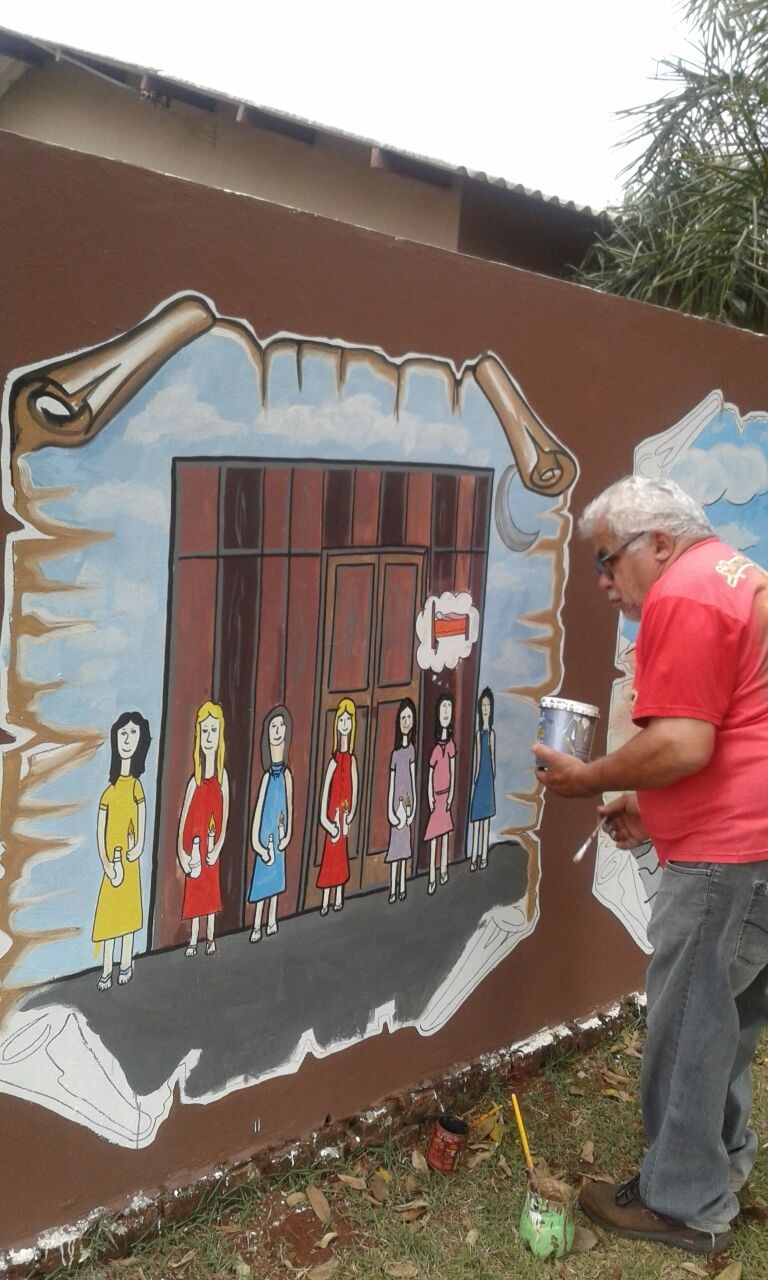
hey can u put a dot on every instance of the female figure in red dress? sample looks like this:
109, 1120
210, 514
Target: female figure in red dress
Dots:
203, 826
337, 807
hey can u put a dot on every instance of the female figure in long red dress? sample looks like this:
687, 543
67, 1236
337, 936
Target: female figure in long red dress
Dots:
337, 807
203, 827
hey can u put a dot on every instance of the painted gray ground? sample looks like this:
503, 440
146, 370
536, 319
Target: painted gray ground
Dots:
247, 1007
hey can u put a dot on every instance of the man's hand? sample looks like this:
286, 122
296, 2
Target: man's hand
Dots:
622, 821
565, 775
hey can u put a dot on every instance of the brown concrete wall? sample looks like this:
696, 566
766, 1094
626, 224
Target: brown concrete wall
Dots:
61, 104
88, 248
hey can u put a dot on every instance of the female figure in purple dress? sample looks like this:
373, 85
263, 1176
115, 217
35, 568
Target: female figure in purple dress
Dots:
440, 789
401, 798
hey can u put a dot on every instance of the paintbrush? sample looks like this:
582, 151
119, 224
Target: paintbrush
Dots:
523, 1138
582, 849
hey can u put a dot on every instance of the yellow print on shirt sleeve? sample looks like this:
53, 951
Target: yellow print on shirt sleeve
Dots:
733, 570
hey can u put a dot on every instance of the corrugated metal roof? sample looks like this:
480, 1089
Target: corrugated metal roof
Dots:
15, 48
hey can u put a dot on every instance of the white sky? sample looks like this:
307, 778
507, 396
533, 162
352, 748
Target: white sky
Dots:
525, 91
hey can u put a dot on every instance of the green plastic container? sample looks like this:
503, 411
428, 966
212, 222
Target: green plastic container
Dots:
546, 1225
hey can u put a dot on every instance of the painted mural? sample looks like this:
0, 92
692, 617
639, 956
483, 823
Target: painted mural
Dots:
721, 458
278, 616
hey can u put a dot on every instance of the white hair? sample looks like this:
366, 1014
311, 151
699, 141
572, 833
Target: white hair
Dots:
637, 505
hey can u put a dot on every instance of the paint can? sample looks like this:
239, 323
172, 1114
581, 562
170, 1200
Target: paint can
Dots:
567, 726
546, 1222
449, 1138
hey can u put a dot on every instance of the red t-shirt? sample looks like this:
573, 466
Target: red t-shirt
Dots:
702, 655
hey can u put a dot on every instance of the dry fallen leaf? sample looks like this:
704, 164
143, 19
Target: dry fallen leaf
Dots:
615, 1078
631, 1043
402, 1270
319, 1203
731, 1272
412, 1184
597, 1177
486, 1126
620, 1094
242, 1269
576, 1091
419, 1162
583, 1240
379, 1188
476, 1158
377, 1204
412, 1215
588, 1152
411, 1204
295, 1197
472, 1238
324, 1271
691, 1268
357, 1184
327, 1238
505, 1167
187, 1258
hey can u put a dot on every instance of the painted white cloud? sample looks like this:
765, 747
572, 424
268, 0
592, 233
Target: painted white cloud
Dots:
515, 663
145, 504
737, 535
508, 575
359, 421
176, 411
734, 472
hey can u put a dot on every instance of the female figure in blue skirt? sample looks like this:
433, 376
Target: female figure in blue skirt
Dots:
272, 820
483, 806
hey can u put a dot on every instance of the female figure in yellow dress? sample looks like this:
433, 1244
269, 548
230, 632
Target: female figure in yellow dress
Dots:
120, 832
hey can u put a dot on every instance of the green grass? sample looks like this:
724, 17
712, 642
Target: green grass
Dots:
251, 1230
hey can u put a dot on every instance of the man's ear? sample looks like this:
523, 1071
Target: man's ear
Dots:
662, 544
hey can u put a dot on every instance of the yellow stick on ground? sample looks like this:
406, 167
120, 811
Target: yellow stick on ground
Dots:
521, 1131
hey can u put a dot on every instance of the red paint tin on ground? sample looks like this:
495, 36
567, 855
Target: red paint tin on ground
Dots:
449, 1138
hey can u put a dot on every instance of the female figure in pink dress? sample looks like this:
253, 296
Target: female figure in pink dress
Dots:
440, 788
203, 827
338, 806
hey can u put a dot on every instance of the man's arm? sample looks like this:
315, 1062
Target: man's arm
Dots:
666, 750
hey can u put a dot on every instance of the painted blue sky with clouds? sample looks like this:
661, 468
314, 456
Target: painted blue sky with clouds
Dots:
207, 401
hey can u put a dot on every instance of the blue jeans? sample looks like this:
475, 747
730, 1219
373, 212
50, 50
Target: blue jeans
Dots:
707, 992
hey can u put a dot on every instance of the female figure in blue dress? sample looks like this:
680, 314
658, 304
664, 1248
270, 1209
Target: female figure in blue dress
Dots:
483, 806
272, 820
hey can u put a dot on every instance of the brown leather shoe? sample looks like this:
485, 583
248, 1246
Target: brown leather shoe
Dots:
617, 1207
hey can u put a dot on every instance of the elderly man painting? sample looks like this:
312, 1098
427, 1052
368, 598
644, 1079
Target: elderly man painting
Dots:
695, 779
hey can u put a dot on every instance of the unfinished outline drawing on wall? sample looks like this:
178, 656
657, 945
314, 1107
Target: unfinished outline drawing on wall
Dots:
238, 535
721, 458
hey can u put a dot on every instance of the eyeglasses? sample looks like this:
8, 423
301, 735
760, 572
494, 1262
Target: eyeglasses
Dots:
603, 563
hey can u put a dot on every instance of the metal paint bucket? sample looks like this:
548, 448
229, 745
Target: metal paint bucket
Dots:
567, 726
449, 1138
546, 1222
